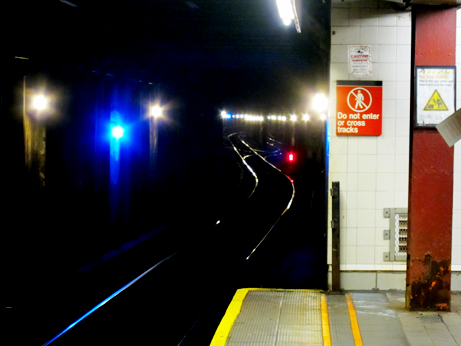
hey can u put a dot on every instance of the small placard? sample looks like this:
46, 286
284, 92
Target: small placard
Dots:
360, 61
435, 94
450, 128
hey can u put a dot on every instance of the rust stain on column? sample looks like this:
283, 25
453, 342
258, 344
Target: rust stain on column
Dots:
431, 290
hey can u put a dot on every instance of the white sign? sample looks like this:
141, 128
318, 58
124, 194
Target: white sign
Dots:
360, 60
435, 94
450, 128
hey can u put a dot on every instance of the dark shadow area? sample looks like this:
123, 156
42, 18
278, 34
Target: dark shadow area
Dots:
76, 200
293, 255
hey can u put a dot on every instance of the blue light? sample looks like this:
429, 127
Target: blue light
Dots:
117, 132
226, 115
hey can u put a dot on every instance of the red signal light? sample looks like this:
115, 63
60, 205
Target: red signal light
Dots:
291, 157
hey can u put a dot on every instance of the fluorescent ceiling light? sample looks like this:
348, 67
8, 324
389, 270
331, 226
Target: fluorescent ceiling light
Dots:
286, 11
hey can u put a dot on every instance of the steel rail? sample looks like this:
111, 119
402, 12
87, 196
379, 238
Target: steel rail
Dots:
243, 158
109, 298
245, 163
286, 208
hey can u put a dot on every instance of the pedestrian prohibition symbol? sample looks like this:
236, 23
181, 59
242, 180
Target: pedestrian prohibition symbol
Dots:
357, 95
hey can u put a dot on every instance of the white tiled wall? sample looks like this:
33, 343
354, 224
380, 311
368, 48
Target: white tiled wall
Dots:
372, 170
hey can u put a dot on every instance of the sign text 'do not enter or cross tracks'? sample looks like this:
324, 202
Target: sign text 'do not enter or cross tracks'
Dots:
359, 108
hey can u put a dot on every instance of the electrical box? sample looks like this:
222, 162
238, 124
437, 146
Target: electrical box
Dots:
398, 224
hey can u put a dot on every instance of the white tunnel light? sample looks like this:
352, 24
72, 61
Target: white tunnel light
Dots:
39, 102
156, 111
320, 102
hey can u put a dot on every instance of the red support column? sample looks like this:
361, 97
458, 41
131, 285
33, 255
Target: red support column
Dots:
431, 175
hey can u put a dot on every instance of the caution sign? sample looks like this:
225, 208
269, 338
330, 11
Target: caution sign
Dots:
359, 108
435, 94
360, 60
436, 103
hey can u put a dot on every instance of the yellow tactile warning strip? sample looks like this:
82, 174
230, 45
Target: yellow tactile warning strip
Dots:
325, 322
354, 322
224, 328
279, 317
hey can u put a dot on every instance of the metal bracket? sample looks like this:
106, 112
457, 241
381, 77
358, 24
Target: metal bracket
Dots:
387, 212
386, 256
334, 192
387, 234
334, 224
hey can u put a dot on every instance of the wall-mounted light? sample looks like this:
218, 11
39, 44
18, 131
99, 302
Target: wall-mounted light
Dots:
39, 102
320, 102
156, 111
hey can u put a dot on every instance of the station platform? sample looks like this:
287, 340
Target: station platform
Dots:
278, 317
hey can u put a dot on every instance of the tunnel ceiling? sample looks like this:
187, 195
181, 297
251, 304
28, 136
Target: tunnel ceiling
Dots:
113, 32
150, 38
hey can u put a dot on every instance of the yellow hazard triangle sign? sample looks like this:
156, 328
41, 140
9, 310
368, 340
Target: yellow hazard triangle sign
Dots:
436, 103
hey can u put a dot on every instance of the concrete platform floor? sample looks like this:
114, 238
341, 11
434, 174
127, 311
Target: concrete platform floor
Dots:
420, 328
297, 317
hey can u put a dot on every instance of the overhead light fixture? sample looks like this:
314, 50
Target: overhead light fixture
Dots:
287, 11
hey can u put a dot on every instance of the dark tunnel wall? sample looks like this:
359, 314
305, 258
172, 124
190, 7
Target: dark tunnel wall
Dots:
99, 61
81, 213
